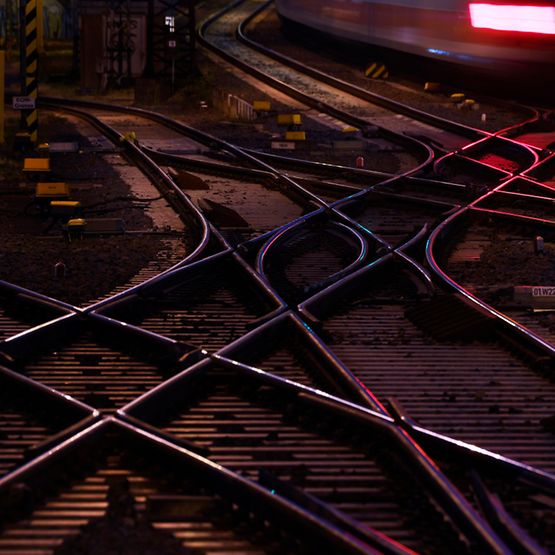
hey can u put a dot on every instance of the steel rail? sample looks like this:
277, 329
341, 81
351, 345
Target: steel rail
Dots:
226, 483
342, 378
207, 139
38, 298
448, 497
409, 142
472, 453
374, 98
352, 194
380, 100
149, 167
477, 135
197, 135
20, 346
285, 235
434, 238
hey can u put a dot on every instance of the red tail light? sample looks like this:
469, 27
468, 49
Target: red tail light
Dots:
525, 19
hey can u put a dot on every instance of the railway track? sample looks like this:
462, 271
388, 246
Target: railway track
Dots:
250, 423
442, 361
297, 380
492, 232
527, 124
218, 34
530, 117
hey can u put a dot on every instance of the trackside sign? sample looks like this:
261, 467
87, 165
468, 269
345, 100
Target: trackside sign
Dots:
23, 103
537, 296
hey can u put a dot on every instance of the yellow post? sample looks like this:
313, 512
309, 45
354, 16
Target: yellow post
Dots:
2, 77
31, 67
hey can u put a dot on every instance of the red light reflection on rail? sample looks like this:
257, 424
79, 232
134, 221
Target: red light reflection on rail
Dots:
525, 19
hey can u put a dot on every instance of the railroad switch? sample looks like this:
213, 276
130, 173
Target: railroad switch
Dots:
45, 193
377, 70
39, 168
283, 145
539, 245
78, 227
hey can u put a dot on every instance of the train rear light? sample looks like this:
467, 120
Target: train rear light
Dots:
525, 19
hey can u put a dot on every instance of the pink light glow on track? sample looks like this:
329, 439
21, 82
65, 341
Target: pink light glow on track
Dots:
525, 19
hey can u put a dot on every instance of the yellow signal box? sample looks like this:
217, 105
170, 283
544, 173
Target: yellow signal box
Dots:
31, 165
295, 136
52, 191
289, 119
261, 106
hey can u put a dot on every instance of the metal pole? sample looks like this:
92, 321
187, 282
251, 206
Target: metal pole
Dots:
76, 42
149, 68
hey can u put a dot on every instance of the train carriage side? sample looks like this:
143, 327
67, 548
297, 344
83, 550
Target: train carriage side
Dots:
462, 31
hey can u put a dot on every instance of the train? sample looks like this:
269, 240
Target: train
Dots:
490, 35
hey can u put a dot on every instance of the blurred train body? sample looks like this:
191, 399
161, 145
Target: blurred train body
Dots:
492, 35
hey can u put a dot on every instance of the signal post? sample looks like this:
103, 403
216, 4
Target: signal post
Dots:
29, 67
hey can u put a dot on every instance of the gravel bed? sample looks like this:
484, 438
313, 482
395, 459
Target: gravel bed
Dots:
121, 531
32, 243
258, 134
93, 181
505, 261
93, 266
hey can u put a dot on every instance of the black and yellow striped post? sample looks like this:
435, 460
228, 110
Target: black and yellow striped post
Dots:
29, 66
376, 70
